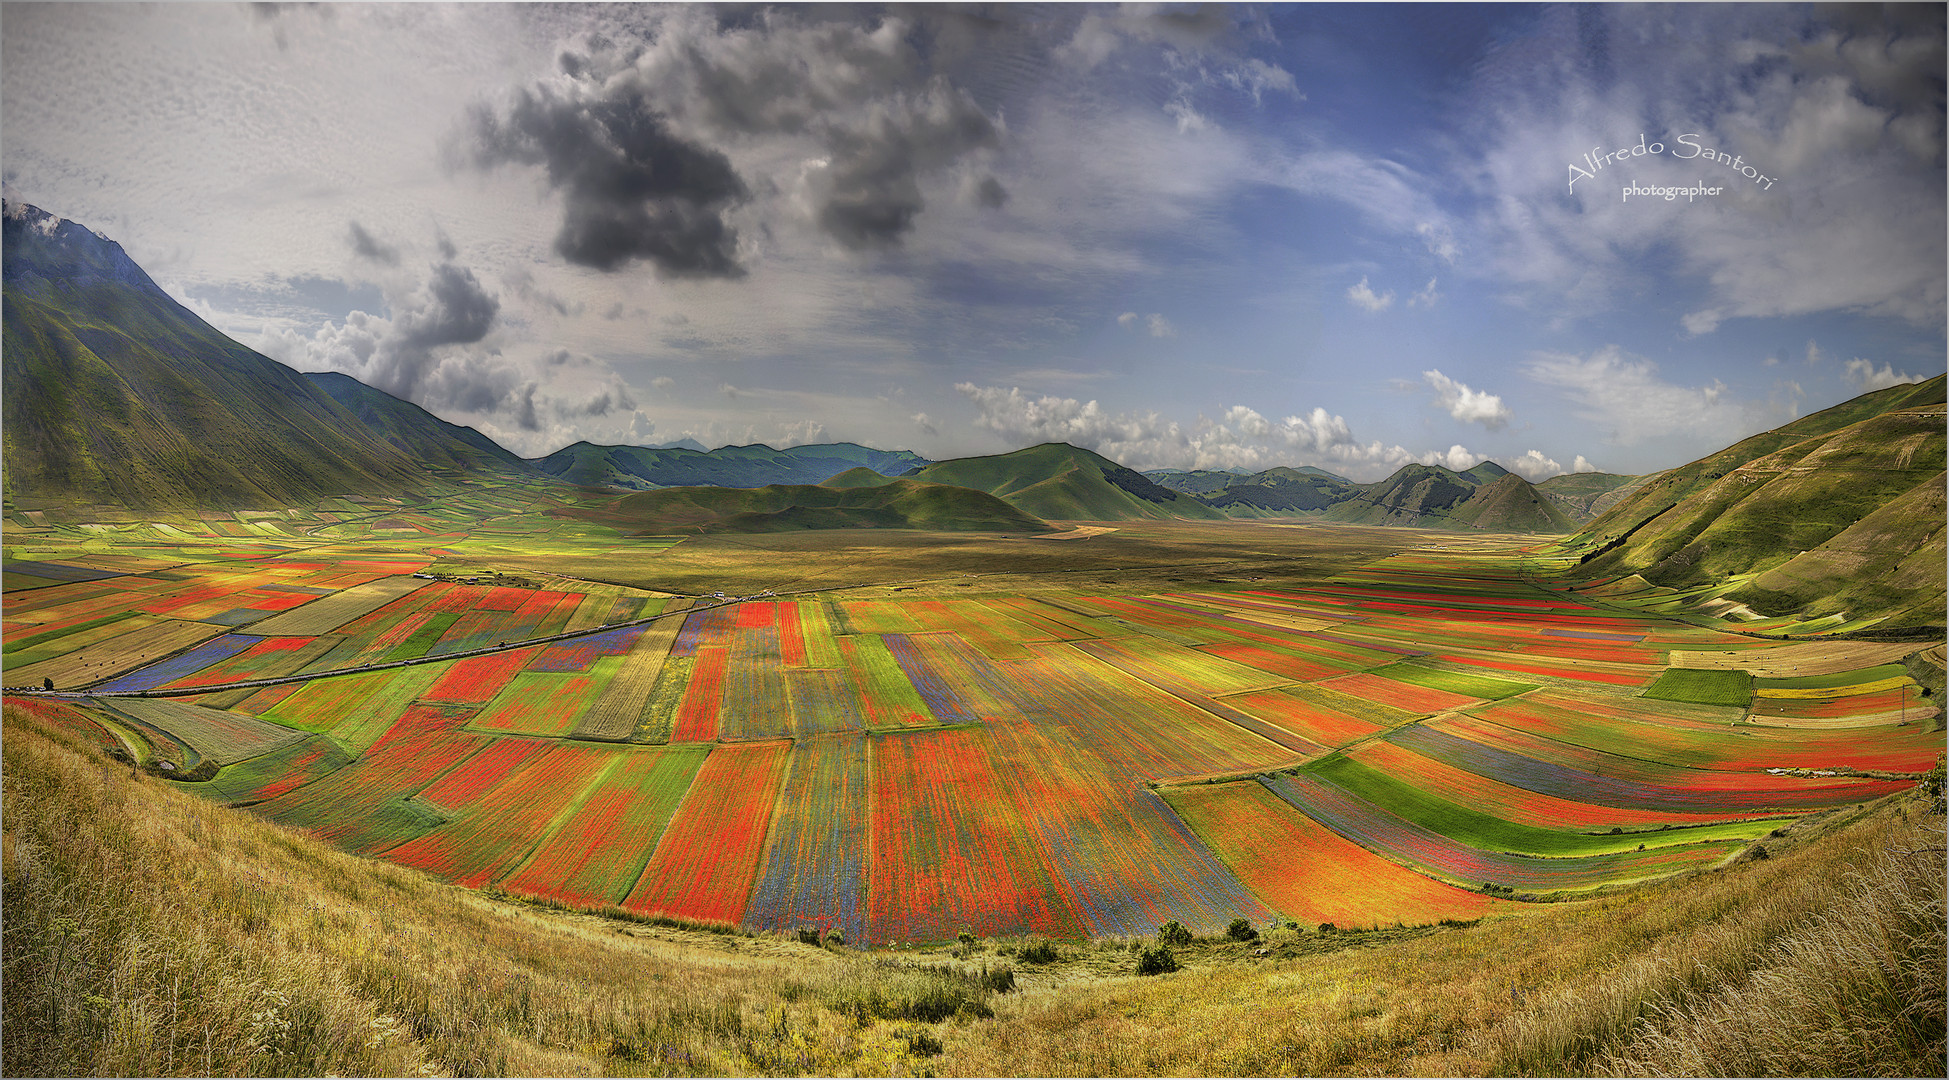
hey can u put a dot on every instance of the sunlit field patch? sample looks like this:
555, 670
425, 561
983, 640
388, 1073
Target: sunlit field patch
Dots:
1307, 872
943, 860
1124, 862
1305, 717
697, 716
815, 869
534, 703
1703, 687
594, 857
708, 858
1399, 695
883, 687
503, 800
1404, 841
477, 679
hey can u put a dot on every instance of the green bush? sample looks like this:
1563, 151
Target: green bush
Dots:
1241, 930
1157, 960
1173, 934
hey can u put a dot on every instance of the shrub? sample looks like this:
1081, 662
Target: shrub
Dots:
922, 1043
966, 938
929, 993
808, 935
835, 938
1157, 961
999, 979
1327, 928
1241, 930
1173, 934
1039, 952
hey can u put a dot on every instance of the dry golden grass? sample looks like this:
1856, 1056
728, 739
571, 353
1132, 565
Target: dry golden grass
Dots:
148, 932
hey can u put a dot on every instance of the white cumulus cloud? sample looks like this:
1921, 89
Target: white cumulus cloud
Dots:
1866, 376
1535, 465
1468, 405
1241, 437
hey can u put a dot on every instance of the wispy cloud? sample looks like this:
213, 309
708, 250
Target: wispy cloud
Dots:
1365, 298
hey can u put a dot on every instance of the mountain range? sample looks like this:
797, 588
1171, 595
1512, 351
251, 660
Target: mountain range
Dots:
643, 467
120, 399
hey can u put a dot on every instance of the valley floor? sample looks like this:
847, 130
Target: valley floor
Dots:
1455, 816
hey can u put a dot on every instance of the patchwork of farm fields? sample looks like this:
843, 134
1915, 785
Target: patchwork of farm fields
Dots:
1433, 733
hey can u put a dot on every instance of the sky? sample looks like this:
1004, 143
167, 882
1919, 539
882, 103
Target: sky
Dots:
1565, 238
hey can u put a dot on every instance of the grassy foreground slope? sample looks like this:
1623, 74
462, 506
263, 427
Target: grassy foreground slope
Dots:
149, 932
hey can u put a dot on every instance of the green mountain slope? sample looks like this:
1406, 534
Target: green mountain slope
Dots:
1193, 481
1282, 490
1060, 482
1487, 497
1845, 517
1583, 495
1414, 495
897, 504
858, 477
1511, 504
419, 434
116, 395
752, 466
1667, 489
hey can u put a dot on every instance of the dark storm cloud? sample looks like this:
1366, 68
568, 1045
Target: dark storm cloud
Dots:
400, 355
457, 312
872, 186
861, 90
990, 193
366, 246
632, 189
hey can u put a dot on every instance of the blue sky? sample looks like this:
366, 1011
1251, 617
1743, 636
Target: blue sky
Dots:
1184, 236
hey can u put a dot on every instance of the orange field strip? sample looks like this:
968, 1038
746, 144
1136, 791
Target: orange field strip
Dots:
1305, 870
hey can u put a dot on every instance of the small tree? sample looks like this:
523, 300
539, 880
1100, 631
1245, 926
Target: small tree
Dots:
1241, 930
1157, 960
1174, 935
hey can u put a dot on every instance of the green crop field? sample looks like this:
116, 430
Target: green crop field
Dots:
1703, 687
